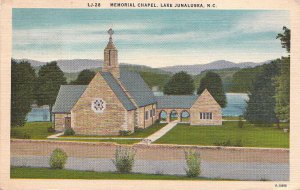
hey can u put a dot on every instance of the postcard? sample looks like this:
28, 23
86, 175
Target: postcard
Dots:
150, 95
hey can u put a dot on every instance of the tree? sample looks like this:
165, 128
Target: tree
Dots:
50, 77
282, 87
282, 82
213, 83
84, 77
22, 91
261, 104
285, 38
180, 84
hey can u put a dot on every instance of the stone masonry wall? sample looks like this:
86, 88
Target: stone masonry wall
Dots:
59, 121
21, 147
114, 118
146, 123
206, 103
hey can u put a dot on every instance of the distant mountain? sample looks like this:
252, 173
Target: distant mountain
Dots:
70, 66
215, 65
77, 65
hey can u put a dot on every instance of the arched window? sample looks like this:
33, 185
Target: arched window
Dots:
185, 116
163, 116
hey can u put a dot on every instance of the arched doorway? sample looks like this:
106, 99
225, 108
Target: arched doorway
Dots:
163, 116
185, 116
173, 115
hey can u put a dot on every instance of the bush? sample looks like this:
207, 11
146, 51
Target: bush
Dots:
223, 143
50, 129
124, 159
19, 135
240, 122
193, 162
69, 132
124, 133
238, 143
58, 159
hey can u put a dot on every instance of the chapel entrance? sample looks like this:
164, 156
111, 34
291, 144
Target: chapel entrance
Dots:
67, 122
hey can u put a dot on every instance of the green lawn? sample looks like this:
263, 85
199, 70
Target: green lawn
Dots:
31, 130
249, 136
46, 173
118, 141
38, 130
139, 133
231, 118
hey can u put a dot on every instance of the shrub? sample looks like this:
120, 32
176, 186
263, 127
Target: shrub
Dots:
69, 132
223, 143
58, 159
238, 143
193, 162
240, 122
50, 129
124, 159
124, 132
19, 134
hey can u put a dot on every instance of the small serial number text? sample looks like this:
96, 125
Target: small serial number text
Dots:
94, 4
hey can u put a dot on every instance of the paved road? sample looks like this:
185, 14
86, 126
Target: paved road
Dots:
225, 170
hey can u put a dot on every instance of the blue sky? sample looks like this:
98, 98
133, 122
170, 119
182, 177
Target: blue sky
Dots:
149, 37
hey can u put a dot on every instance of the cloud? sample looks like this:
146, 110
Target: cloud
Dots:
83, 41
262, 22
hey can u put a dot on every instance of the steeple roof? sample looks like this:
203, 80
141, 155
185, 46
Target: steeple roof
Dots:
110, 44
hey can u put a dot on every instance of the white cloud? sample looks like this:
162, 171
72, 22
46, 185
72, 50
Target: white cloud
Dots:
262, 22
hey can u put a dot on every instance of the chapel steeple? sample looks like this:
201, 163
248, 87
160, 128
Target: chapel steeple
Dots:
111, 57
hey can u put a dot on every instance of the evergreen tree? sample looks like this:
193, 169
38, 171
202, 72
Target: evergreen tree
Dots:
282, 95
84, 77
282, 82
213, 83
22, 91
285, 38
180, 84
261, 103
50, 77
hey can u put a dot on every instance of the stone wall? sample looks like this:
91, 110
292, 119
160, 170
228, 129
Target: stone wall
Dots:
143, 123
153, 152
113, 119
206, 103
130, 120
59, 121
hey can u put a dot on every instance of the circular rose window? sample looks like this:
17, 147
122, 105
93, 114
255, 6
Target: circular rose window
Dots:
98, 105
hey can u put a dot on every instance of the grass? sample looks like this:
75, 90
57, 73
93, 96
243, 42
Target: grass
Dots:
35, 130
248, 136
118, 141
185, 119
38, 130
139, 133
231, 118
47, 173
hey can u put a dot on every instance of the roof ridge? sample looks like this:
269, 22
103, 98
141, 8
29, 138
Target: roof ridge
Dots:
115, 80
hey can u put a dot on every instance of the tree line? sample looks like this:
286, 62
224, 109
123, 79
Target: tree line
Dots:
267, 85
269, 100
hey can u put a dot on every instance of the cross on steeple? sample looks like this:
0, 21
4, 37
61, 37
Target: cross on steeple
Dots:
110, 32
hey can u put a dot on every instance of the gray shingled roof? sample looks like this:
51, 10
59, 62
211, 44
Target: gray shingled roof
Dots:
175, 101
114, 85
67, 97
137, 88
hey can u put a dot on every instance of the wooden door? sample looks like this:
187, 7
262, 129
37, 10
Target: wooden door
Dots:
67, 122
